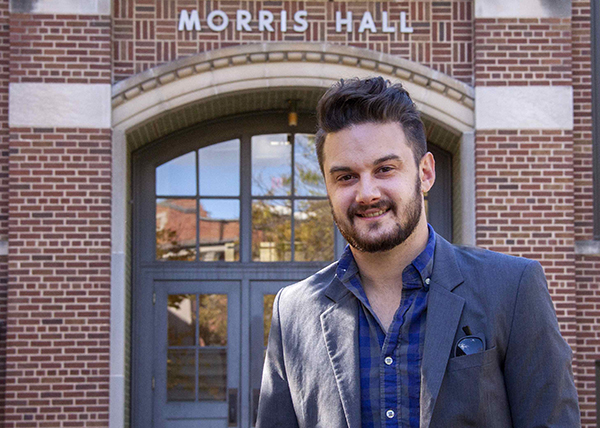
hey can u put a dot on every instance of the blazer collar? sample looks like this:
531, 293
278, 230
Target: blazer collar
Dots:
444, 309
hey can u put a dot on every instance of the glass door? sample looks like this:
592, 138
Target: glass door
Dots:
262, 295
197, 326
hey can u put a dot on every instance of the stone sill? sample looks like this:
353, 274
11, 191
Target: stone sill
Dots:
587, 247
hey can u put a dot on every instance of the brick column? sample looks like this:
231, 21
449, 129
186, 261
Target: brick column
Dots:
4, 78
587, 261
59, 227
524, 142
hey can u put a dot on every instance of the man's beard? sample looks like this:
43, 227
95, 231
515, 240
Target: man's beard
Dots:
412, 214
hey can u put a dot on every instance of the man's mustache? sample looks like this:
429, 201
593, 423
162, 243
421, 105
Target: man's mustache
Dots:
356, 209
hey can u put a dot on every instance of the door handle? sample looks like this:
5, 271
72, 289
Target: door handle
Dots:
255, 396
232, 411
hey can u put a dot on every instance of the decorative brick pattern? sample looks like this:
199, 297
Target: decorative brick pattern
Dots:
146, 35
524, 206
59, 278
523, 51
60, 49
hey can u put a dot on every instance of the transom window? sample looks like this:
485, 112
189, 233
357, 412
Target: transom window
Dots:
199, 202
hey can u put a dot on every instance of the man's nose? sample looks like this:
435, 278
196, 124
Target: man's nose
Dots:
367, 192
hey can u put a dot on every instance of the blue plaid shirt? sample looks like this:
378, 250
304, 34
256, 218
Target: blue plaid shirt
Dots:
390, 364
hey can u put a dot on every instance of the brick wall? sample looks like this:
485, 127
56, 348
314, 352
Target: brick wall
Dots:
523, 51
587, 266
524, 185
4, 143
146, 35
58, 311
59, 278
60, 49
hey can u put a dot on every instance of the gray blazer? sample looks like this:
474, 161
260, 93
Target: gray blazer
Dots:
522, 379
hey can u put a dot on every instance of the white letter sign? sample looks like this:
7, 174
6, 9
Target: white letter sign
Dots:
339, 22
210, 20
189, 22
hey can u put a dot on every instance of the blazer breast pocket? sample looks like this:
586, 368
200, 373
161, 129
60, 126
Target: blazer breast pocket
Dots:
474, 360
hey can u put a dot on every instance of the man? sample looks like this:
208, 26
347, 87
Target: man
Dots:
407, 330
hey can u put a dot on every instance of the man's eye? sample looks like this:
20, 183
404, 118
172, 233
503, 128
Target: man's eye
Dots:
385, 169
345, 177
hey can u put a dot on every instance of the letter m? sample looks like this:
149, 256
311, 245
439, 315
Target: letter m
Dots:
189, 21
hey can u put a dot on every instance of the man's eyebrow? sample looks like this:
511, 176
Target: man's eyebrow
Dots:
387, 158
335, 169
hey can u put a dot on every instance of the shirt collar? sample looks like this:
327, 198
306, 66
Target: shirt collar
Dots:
415, 275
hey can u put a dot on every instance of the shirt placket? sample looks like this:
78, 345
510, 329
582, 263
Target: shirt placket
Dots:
390, 369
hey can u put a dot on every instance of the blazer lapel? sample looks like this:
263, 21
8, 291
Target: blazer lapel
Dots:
340, 328
444, 309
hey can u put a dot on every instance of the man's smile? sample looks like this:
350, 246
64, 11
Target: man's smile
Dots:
372, 214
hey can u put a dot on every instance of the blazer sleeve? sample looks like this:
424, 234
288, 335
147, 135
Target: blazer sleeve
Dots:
537, 369
275, 406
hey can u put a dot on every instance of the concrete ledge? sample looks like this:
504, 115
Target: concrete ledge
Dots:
518, 107
587, 247
70, 7
522, 9
59, 104
3, 248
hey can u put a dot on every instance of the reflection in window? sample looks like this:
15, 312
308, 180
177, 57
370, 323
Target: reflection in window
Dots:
180, 375
271, 230
271, 165
201, 316
181, 319
177, 177
307, 175
290, 217
175, 229
220, 169
219, 230
213, 320
313, 224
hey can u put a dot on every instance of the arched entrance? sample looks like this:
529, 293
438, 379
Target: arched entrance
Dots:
235, 95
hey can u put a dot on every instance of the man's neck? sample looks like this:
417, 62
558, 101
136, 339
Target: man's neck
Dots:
383, 270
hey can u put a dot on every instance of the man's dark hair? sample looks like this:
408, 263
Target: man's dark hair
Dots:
374, 100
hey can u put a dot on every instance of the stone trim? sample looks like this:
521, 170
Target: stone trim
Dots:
66, 7
524, 107
587, 248
69, 105
378, 63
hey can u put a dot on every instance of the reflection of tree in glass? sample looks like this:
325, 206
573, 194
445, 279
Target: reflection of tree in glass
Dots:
314, 230
168, 246
212, 316
272, 185
309, 180
271, 225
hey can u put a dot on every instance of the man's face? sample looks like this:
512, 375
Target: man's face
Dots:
374, 186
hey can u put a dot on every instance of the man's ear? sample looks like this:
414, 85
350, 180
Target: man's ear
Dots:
427, 172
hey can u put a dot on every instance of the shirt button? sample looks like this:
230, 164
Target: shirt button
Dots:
427, 281
390, 414
388, 360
